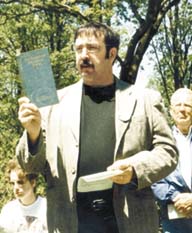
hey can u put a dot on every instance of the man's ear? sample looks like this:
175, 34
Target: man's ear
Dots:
33, 183
112, 54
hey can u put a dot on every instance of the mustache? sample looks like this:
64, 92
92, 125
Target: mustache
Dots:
86, 63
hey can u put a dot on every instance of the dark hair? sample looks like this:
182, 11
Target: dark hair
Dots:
111, 38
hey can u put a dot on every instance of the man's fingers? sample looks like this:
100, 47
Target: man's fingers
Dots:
23, 100
27, 118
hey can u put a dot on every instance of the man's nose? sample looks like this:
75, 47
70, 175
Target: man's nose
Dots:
16, 187
84, 52
182, 107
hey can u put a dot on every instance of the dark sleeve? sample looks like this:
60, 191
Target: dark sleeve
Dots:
168, 188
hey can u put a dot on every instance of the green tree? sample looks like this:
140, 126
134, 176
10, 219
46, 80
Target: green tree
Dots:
173, 50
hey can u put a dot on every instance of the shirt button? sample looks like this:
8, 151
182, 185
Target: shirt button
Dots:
73, 171
73, 199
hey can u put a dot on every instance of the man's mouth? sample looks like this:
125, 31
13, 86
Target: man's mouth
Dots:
86, 64
182, 117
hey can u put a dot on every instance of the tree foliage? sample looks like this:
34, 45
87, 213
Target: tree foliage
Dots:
173, 50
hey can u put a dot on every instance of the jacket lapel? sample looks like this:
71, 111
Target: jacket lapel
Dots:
125, 104
75, 110
70, 110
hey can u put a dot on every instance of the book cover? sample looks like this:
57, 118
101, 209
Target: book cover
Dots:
37, 77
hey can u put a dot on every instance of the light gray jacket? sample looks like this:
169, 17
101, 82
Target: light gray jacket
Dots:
142, 136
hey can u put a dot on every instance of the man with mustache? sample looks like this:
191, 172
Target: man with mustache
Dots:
101, 123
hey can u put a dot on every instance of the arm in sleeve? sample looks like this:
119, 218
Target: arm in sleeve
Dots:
33, 160
159, 155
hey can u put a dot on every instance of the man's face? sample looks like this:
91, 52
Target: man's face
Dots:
181, 110
91, 61
22, 187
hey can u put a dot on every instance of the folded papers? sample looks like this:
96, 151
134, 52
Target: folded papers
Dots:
97, 182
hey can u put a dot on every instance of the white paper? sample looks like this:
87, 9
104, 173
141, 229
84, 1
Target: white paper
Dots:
173, 213
97, 182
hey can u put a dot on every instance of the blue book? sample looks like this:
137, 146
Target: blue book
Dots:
37, 77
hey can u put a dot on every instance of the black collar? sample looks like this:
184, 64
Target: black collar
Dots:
99, 94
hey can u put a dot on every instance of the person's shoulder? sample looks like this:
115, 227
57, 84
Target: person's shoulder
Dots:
148, 94
42, 200
125, 89
152, 92
141, 94
63, 91
41, 205
10, 205
137, 90
122, 85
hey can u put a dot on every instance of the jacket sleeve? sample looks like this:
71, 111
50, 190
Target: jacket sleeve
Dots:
158, 155
33, 159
